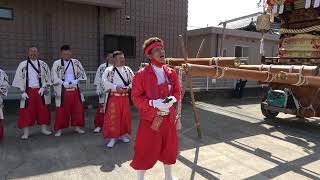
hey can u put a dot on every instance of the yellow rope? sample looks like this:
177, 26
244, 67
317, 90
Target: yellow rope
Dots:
300, 31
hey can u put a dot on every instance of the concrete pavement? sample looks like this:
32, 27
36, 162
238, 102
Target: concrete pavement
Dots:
237, 144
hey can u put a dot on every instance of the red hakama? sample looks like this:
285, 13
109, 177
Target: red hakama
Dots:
117, 119
98, 119
35, 111
71, 110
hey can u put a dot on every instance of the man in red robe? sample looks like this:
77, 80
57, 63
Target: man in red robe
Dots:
155, 89
117, 81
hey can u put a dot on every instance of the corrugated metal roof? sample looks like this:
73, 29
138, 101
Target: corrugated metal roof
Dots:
241, 23
249, 23
103, 3
232, 32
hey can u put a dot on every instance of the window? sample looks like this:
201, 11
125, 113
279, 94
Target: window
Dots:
127, 44
241, 51
6, 13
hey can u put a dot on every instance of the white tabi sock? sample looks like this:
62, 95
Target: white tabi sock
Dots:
44, 130
168, 172
140, 174
25, 133
79, 130
58, 133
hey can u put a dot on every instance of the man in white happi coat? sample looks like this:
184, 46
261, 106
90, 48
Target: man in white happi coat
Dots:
66, 76
117, 81
33, 80
98, 119
4, 86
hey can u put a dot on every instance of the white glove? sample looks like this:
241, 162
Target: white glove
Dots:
159, 104
170, 103
41, 91
66, 85
165, 110
24, 96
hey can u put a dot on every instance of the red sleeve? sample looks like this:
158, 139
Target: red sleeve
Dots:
176, 91
139, 98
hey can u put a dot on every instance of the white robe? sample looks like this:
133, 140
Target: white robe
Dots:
110, 79
19, 80
57, 74
4, 86
98, 81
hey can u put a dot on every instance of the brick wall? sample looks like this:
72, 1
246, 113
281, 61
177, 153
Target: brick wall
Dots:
49, 24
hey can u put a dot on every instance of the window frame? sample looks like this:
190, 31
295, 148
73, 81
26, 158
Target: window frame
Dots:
12, 13
119, 36
242, 46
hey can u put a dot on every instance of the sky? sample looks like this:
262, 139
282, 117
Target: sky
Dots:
210, 12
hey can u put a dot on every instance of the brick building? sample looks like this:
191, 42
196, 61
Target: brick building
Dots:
90, 26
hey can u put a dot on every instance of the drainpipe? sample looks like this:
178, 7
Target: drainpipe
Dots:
98, 35
217, 45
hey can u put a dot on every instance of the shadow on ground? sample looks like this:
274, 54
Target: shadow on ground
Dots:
42, 155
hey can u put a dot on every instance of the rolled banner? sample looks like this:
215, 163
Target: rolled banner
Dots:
275, 9
262, 45
307, 4
281, 9
316, 3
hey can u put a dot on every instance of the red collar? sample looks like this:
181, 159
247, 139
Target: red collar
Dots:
156, 63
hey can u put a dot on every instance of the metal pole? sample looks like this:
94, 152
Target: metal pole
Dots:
222, 39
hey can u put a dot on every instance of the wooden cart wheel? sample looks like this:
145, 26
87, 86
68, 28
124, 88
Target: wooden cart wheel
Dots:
300, 117
268, 113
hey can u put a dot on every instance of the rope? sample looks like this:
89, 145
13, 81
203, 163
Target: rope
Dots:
269, 73
223, 69
300, 31
217, 71
168, 61
216, 60
261, 67
298, 82
301, 80
211, 60
270, 77
291, 68
222, 73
